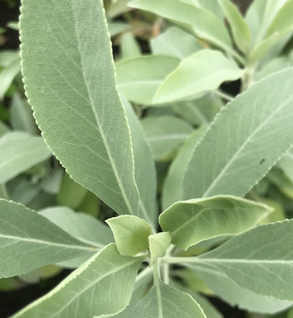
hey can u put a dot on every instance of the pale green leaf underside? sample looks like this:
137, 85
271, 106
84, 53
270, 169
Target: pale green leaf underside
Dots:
131, 234
202, 22
226, 160
233, 294
165, 134
193, 221
175, 42
107, 271
70, 83
139, 78
80, 225
164, 301
203, 71
172, 190
145, 173
260, 260
28, 241
19, 152
7, 76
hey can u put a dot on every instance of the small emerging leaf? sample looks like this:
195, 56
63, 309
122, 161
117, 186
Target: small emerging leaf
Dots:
131, 234
159, 243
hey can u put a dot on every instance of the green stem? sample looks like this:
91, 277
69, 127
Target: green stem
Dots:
224, 95
247, 79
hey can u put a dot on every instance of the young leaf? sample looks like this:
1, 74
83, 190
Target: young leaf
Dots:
159, 244
239, 28
145, 173
139, 78
259, 260
203, 23
172, 190
203, 71
226, 165
165, 134
193, 221
175, 42
118, 27
107, 270
131, 234
80, 225
28, 241
166, 301
233, 294
70, 83
19, 152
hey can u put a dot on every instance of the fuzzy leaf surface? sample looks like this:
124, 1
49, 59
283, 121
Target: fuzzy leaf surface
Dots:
29, 241
164, 301
131, 234
145, 173
260, 260
107, 270
69, 79
80, 225
19, 152
221, 164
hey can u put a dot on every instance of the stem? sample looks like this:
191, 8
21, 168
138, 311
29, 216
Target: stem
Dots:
180, 260
247, 79
156, 272
143, 273
3, 192
224, 95
166, 267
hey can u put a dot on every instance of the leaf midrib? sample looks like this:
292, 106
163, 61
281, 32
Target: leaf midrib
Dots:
243, 146
96, 117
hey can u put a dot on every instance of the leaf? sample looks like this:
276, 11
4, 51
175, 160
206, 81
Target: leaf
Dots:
211, 6
228, 165
7, 57
129, 46
203, 23
203, 71
286, 164
7, 76
3, 128
117, 8
193, 221
282, 22
259, 260
51, 183
239, 28
107, 270
118, 27
131, 234
19, 152
74, 97
165, 134
175, 42
28, 241
142, 281
209, 310
234, 295
145, 173
80, 225
139, 78
172, 190
165, 301
21, 116
71, 194
159, 243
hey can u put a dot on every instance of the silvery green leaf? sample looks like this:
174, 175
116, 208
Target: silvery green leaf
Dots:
7, 76
107, 270
28, 241
74, 98
227, 165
